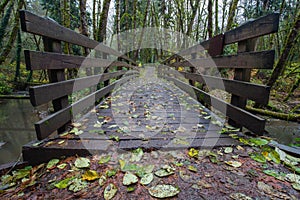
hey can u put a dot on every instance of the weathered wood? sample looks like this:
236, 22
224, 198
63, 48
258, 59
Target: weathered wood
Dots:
252, 29
216, 45
242, 75
247, 119
262, 26
52, 122
44, 60
57, 75
249, 60
44, 93
47, 27
255, 92
191, 50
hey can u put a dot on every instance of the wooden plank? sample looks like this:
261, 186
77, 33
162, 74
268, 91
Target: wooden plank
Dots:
41, 154
249, 60
47, 27
255, 92
57, 75
242, 75
52, 122
191, 50
216, 45
44, 93
45, 60
247, 119
258, 27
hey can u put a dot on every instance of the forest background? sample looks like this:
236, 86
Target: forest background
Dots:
198, 19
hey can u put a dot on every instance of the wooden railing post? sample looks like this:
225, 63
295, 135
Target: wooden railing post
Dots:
193, 69
242, 75
56, 75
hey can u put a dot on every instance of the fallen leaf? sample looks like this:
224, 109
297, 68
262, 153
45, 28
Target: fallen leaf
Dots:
82, 162
61, 166
193, 153
147, 179
77, 184
192, 168
165, 171
228, 150
129, 178
136, 155
64, 183
239, 196
275, 174
294, 178
52, 163
104, 159
110, 191
258, 157
265, 188
111, 173
113, 126
296, 186
233, 163
258, 141
90, 175
102, 180
22, 173
163, 191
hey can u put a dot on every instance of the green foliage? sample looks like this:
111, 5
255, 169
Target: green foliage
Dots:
4, 23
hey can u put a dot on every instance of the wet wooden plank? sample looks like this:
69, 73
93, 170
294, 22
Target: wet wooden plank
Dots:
255, 92
261, 26
246, 119
249, 60
44, 93
36, 155
52, 122
36, 60
169, 144
47, 27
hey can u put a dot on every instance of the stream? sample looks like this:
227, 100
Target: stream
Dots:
17, 117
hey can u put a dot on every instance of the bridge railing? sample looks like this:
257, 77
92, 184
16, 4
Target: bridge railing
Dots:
59, 90
197, 59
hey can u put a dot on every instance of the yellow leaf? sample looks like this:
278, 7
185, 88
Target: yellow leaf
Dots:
266, 155
90, 175
180, 69
193, 153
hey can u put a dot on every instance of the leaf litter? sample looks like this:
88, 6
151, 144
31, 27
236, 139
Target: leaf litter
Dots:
216, 173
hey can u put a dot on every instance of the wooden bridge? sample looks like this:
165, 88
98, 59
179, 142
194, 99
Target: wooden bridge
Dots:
154, 106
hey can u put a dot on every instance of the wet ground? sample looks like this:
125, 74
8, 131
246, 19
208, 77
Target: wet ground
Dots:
223, 173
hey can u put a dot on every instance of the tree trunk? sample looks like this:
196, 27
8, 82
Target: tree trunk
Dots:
84, 29
294, 87
13, 35
285, 52
216, 17
209, 22
223, 14
117, 2
142, 33
3, 5
103, 21
231, 15
94, 21
194, 12
4, 23
18, 56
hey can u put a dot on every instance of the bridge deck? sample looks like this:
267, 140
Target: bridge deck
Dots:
146, 112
